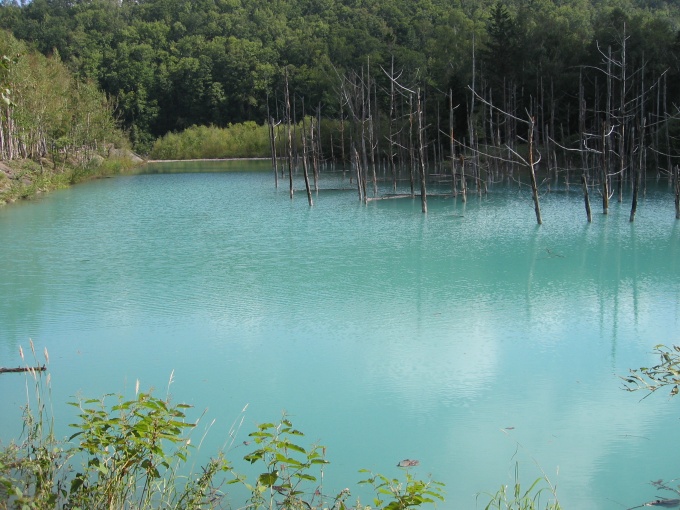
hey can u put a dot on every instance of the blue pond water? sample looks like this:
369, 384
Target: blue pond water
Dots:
468, 338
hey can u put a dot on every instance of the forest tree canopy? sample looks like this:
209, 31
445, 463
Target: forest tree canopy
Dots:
172, 64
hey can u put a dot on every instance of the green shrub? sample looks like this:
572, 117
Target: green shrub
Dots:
246, 140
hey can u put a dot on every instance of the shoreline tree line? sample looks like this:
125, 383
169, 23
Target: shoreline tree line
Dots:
168, 65
55, 129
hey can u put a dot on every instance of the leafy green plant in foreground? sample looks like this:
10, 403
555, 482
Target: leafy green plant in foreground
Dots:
292, 477
289, 477
412, 494
128, 455
134, 453
524, 499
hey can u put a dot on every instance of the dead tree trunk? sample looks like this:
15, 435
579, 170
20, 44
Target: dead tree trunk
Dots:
463, 180
357, 165
304, 160
636, 174
605, 166
586, 197
315, 149
677, 192
272, 136
410, 145
534, 186
393, 115
342, 139
582, 145
272, 144
623, 114
290, 139
371, 136
605, 137
452, 139
279, 128
319, 150
421, 149
666, 125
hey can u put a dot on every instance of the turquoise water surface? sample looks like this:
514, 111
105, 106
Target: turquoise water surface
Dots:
468, 338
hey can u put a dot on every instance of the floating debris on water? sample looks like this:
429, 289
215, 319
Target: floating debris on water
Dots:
408, 463
664, 503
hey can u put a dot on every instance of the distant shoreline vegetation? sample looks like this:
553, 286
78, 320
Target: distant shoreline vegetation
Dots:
247, 140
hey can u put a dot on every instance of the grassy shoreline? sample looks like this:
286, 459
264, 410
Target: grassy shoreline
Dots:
25, 179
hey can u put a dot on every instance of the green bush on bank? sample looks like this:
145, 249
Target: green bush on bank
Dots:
246, 140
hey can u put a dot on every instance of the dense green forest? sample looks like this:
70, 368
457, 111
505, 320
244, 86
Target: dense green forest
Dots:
171, 64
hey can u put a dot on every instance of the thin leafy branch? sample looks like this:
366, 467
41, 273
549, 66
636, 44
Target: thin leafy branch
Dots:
662, 375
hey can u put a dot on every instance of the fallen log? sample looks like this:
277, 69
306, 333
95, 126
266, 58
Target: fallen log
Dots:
23, 369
